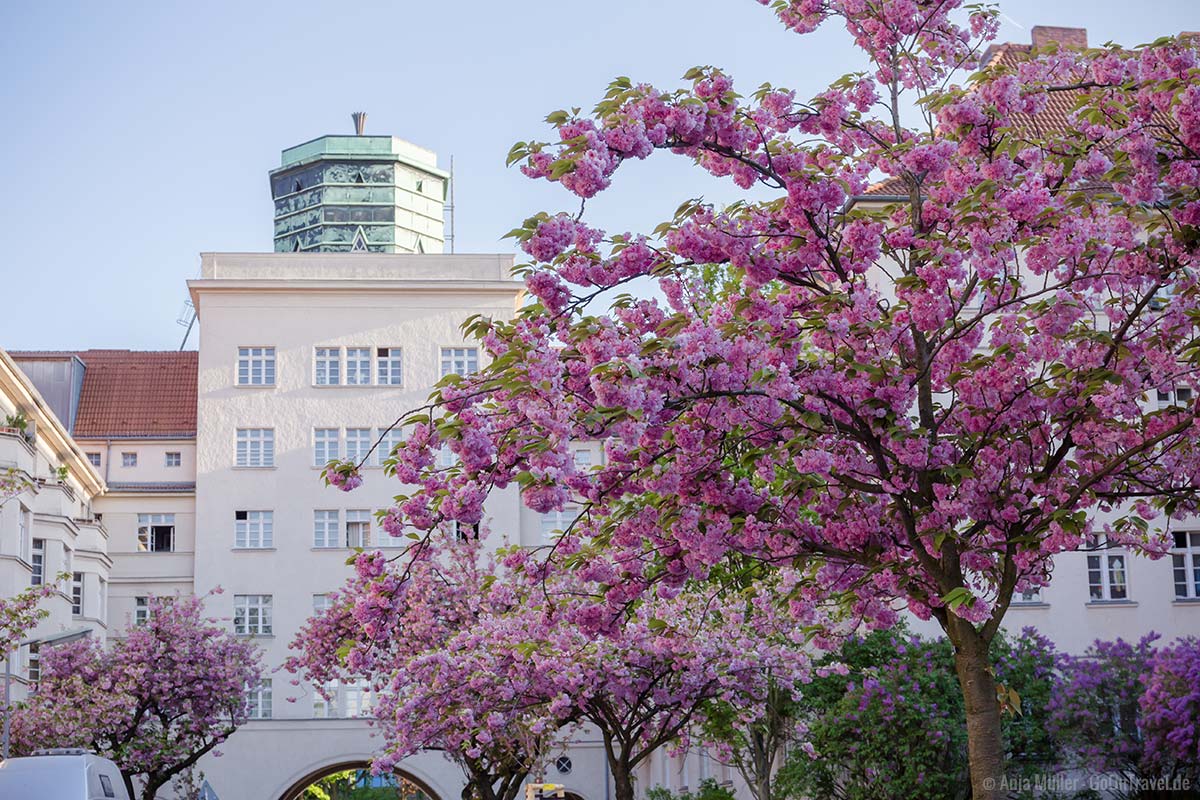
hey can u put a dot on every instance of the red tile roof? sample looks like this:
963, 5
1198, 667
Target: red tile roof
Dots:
132, 394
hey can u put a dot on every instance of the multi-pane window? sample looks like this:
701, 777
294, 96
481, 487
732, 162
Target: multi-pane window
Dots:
553, 523
1107, 576
358, 366
1185, 561
37, 560
325, 528
256, 366
128, 459
141, 610
1031, 596
325, 700
94, 459
358, 442
103, 599
582, 459
325, 446
252, 614
256, 447
357, 699
329, 366
389, 366
156, 533
1177, 396
77, 594
258, 699
459, 360
253, 529
321, 602
389, 439
358, 527
174, 459
33, 665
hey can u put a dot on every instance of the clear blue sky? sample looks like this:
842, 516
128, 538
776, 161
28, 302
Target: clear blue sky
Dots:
137, 135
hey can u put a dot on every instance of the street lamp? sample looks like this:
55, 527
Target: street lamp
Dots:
52, 640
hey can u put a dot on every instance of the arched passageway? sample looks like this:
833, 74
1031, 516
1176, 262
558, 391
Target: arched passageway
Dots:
352, 780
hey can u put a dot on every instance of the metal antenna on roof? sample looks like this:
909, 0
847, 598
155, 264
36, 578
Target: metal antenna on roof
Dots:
360, 120
187, 318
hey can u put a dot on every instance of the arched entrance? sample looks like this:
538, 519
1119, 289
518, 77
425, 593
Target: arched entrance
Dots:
352, 780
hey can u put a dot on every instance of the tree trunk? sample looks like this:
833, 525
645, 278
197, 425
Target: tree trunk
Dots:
985, 746
128, 779
622, 782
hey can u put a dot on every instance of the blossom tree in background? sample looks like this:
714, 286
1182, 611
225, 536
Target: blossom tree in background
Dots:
1170, 711
20, 613
923, 398
154, 701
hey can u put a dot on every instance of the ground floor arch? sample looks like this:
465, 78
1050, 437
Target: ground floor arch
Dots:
408, 785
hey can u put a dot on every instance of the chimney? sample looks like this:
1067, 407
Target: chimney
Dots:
360, 119
1043, 35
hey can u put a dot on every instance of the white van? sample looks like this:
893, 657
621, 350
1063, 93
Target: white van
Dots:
61, 774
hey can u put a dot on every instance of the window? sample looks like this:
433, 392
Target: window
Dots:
358, 442
24, 523
255, 447
156, 533
174, 459
325, 529
1029, 596
358, 528
33, 665
325, 700
553, 523
106, 786
389, 440
252, 614
329, 366
258, 699
1177, 396
582, 459
459, 360
103, 599
322, 602
1185, 561
38, 561
128, 459
94, 459
253, 529
256, 366
389, 369
325, 446
141, 610
1107, 578
77, 594
357, 696
358, 366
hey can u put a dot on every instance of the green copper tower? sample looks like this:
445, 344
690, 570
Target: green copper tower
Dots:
359, 193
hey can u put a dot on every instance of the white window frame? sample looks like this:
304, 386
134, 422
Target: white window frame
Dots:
255, 366
357, 699
582, 458
389, 438
94, 459
358, 442
459, 360
327, 366
77, 594
358, 527
1029, 597
1107, 572
252, 615
253, 530
129, 459
1185, 564
33, 663
327, 528
389, 366
553, 523
258, 699
173, 458
255, 448
141, 610
321, 603
327, 445
145, 532
1180, 396
358, 366
322, 708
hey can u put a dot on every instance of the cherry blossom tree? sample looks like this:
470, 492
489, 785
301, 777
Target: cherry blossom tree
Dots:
922, 398
154, 702
20, 613
1170, 710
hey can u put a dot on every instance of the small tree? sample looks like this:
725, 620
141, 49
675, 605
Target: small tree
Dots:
20, 613
154, 702
1170, 709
